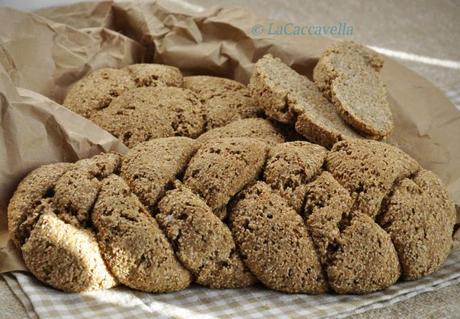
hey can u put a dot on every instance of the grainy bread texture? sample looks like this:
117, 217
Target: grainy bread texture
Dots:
95, 91
152, 167
211, 192
325, 203
222, 167
147, 113
147, 101
132, 244
252, 128
141, 102
203, 243
275, 243
418, 217
291, 98
357, 255
348, 75
35, 188
365, 259
154, 75
368, 171
224, 100
49, 215
290, 166
226, 212
64, 256
76, 191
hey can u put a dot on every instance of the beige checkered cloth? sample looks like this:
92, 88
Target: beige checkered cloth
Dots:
198, 302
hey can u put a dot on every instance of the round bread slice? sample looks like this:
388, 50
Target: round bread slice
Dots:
147, 113
224, 100
291, 98
290, 166
251, 128
420, 217
95, 91
368, 169
150, 74
132, 244
64, 256
202, 242
222, 167
347, 75
150, 168
274, 242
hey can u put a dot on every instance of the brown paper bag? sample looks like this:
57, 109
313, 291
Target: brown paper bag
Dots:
45, 53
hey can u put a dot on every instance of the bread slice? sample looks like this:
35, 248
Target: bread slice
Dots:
291, 98
348, 76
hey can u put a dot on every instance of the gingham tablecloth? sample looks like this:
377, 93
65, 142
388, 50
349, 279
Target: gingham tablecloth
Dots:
197, 302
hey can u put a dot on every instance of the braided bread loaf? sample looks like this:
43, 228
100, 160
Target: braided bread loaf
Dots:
211, 193
226, 212
146, 101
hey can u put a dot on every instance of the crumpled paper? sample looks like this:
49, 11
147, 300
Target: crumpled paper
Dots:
43, 53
